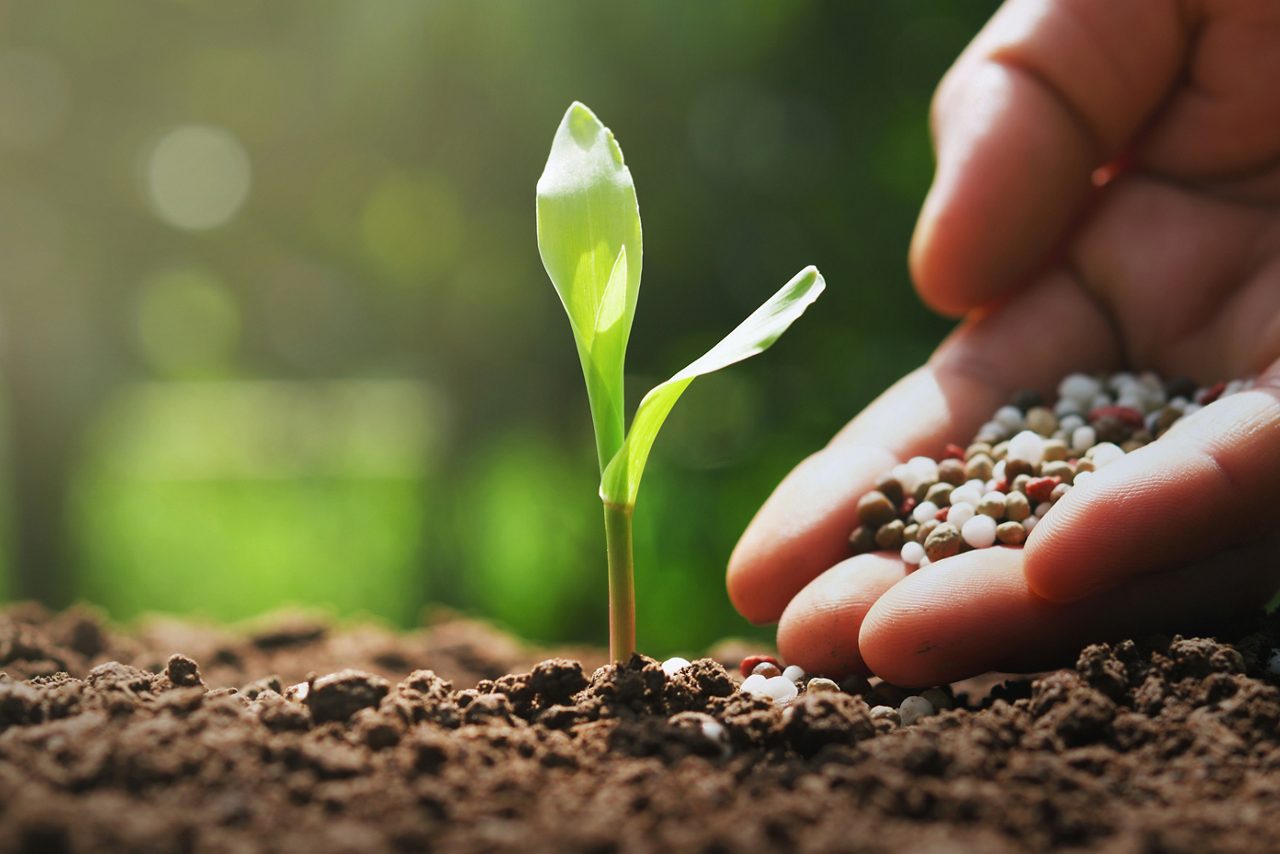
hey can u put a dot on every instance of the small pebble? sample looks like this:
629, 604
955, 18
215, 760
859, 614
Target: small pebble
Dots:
922, 535
1030, 522
1083, 438
1009, 418
939, 697
939, 494
754, 684
1040, 488
912, 553
821, 685
748, 664
925, 511
969, 493
886, 713
913, 709
794, 672
674, 665
1011, 533
1041, 420
1105, 453
875, 509
1027, 446
924, 468
990, 433
943, 541
767, 669
1016, 507
992, 504
1273, 663
1055, 450
1079, 387
1015, 469
780, 689
1059, 469
979, 467
889, 537
951, 471
975, 449
1070, 424
960, 513
862, 539
713, 730
926, 528
890, 488
980, 531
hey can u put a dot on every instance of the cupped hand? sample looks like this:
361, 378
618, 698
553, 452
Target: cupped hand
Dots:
1107, 196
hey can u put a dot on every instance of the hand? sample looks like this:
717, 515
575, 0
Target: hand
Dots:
1107, 196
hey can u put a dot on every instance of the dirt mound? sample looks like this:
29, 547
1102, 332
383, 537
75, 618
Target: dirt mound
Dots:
1166, 744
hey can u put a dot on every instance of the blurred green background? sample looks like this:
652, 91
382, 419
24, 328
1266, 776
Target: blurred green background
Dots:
274, 328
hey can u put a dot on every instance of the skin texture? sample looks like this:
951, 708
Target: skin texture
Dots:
1107, 196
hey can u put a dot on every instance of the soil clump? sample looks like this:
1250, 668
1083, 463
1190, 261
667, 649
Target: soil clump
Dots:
305, 736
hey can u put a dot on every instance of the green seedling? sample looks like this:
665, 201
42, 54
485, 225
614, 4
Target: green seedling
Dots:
589, 238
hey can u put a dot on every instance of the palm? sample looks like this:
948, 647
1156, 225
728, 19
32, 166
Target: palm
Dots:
1188, 280
1174, 266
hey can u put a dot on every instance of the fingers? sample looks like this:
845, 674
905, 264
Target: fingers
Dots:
975, 612
1044, 96
819, 629
1207, 484
802, 529
804, 526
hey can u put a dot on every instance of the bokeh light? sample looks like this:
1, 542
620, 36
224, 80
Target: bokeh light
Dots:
197, 177
187, 323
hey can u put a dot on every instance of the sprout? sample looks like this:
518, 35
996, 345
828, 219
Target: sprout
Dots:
590, 241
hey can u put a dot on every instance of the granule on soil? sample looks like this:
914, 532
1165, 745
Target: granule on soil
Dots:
113, 741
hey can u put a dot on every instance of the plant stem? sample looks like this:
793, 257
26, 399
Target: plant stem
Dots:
622, 598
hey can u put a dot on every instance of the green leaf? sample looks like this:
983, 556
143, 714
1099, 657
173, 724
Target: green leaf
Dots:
754, 335
589, 238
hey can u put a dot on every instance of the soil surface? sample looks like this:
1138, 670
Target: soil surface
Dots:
300, 735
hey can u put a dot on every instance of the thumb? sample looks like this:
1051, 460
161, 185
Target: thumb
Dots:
1207, 484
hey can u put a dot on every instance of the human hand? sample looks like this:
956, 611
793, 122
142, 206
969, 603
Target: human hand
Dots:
1107, 195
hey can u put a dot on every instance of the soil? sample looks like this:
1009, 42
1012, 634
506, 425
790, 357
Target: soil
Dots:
305, 735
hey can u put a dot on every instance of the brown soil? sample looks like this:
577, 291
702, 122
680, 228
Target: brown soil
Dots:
109, 742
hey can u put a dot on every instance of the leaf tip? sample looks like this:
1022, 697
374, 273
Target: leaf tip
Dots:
582, 123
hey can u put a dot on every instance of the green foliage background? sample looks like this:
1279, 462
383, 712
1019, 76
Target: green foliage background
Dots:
360, 391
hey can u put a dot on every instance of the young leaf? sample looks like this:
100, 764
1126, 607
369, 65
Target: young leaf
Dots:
754, 335
590, 242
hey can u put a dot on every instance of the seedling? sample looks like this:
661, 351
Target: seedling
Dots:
589, 238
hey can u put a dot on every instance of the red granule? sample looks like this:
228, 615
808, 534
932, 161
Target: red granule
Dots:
1041, 488
1211, 394
1127, 414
